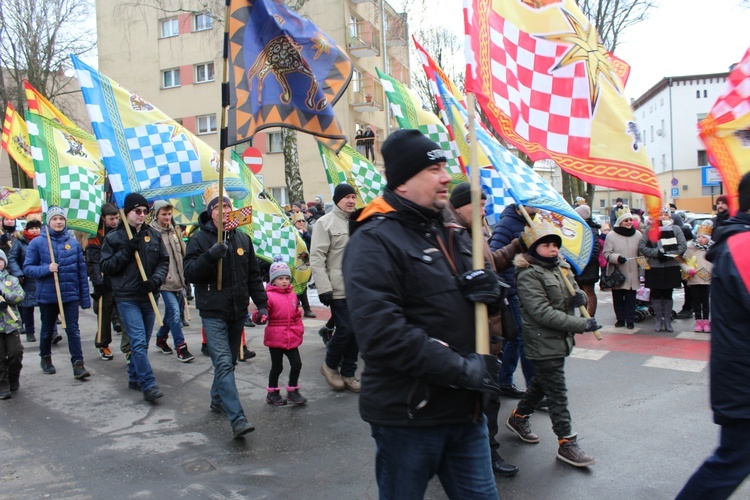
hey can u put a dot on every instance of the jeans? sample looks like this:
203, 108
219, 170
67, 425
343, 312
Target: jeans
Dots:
408, 457
172, 318
223, 338
550, 381
624, 303
138, 318
513, 350
342, 349
723, 471
49, 314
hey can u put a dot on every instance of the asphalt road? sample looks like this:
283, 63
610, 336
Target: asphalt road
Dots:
639, 401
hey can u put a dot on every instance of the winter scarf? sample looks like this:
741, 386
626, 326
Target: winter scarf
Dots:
667, 239
702, 247
622, 231
29, 236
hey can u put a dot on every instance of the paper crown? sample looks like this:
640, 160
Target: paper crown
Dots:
538, 230
706, 229
212, 193
665, 209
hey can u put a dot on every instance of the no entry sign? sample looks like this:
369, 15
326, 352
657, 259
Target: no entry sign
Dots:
253, 159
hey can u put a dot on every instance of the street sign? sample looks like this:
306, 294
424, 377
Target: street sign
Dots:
675, 181
675, 192
710, 176
253, 159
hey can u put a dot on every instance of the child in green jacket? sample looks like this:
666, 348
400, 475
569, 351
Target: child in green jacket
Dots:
11, 349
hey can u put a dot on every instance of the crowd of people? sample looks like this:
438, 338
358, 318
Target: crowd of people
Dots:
398, 277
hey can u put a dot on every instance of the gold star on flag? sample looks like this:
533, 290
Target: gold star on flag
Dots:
585, 47
321, 45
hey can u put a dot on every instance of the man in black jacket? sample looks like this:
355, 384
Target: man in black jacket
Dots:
728, 467
407, 276
131, 291
223, 311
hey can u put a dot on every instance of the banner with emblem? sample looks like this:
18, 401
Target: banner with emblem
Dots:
16, 140
144, 150
15, 203
284, 71
352, 168
547, 85
68, 173
726, 129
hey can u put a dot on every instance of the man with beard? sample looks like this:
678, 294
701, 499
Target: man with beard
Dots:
722, 211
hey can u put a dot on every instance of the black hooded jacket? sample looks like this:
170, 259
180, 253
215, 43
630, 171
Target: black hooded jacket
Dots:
240, 275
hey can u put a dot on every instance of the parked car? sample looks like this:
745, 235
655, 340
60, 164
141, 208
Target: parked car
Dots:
695, 220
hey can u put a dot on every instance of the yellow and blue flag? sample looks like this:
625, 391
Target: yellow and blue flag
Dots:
144, 150
284, 72
16, 140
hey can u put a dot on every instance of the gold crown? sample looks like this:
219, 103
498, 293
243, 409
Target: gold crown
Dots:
706, 229
539, 229
212, 192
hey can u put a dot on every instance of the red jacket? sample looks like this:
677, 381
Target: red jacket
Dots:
284, 328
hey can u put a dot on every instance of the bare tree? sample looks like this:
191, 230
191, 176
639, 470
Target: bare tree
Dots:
446, 48
37, 38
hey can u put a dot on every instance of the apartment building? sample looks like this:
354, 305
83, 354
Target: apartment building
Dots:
172, 57
667, 116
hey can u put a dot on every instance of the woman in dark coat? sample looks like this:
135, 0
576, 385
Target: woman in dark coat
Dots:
16, 258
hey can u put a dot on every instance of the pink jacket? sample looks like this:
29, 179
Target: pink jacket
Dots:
284, 329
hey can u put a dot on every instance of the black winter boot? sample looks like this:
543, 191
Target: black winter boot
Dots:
47, 366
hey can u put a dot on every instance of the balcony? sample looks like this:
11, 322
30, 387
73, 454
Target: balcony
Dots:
364, 39
396, 32
366, 94
399, 71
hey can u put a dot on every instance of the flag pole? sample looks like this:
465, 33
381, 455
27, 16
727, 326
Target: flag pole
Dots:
140, 267
224, 139
481, 319
566, 279
57, 280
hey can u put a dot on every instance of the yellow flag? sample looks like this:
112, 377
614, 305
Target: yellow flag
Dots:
16, 140
15, 203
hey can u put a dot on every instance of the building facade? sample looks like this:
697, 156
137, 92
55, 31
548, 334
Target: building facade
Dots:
667, 116
172, 57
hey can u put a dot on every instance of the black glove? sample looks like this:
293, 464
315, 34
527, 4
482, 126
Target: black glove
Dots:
661, 256
326, 298
621, 260
134, 244
148, 286
98, 291
479, 373
3, 305
592, 325
579, 299
262, 316
480, 285
218, 251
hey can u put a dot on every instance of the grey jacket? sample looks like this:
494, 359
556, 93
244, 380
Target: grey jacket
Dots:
616, 245
327, 252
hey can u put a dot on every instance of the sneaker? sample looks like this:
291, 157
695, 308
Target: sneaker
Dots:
249, 322
247, 354
511, 391
183, 355
204, 349
4, 395
106, 354
79, 371
134, 385
242, 427
161, 344
309, 314
570, 453
333, 377
352, 384
127, 357
274, 397
56, 339
47, 366
152, 394
217, 407
325, 334
706, 326
30, 337
698, 325
520, 425
295, 397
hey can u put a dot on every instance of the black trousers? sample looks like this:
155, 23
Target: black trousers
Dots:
624, 304
11, 357
549, 379
277, 365
701, 304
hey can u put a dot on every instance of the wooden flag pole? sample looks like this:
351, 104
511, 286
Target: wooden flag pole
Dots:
99, 322
482, 326
9, 310
224, 140
566, 278
159, 320
57, 279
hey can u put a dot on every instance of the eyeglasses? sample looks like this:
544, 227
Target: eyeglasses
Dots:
140, 211
627, 220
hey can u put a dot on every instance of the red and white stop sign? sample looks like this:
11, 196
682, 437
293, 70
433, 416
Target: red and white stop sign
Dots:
253, 159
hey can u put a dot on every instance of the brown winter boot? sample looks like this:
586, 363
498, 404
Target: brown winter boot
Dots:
570, 453
519, 424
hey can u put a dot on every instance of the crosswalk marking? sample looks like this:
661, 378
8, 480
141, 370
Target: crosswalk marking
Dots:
590, 354
685, 365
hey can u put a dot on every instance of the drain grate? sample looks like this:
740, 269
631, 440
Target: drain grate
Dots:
198, 466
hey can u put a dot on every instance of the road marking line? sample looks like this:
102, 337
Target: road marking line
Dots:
685, 365
694, 336
590, 354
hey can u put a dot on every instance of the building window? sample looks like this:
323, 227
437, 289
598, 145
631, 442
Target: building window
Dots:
202, 22
206, 124
204, 73
697, 94
652, 133
279, 194
705, 93
702, 116
644, 135
702, 158
602, 203
275, 143
169, 28
170, 78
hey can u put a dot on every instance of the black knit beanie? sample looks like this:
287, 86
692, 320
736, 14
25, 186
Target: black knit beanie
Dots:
407, 152
134, 200
744, 192
341, 191
461, 195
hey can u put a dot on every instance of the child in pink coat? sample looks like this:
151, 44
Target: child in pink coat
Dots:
283, 334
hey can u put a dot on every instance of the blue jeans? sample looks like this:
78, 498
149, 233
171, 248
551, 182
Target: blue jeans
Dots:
172, 318
224, 338
342, 349
49, 314
408, 457
138, 318
513, 350
723, 471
